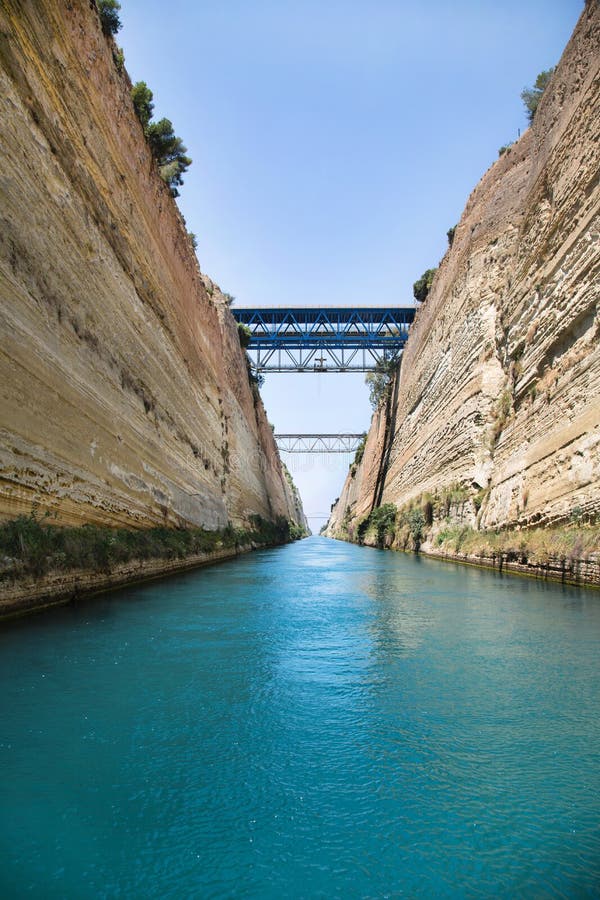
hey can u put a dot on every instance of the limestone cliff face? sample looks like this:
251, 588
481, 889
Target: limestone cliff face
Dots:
499, 388
124, 394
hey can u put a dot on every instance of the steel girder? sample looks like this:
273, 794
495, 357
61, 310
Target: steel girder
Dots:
324, 339
319, 443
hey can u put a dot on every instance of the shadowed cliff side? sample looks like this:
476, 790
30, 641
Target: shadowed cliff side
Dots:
125, 397
497, 412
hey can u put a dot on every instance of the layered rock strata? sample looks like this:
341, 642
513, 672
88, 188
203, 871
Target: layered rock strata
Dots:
124, 394
498, 396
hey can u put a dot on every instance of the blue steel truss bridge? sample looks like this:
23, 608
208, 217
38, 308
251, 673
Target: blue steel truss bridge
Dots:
319, 443
324, 339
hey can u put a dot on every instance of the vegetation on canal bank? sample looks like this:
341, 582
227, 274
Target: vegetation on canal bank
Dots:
378, 526
534, 545
569, 553
570, 550
30, 546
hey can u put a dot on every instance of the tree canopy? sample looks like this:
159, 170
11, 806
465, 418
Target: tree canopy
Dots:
169, 152
244, 335
532, 96
379, 380
422, 285
167, 149
142, 102
109, 15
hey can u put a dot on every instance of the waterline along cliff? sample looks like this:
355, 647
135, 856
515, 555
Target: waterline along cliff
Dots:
125, 396
487, 445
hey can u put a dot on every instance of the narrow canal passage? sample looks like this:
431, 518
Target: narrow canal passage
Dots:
315, 720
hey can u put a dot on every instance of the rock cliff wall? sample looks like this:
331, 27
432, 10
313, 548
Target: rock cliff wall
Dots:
497, 403
124, 393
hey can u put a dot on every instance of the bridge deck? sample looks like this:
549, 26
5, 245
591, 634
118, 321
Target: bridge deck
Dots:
324, 339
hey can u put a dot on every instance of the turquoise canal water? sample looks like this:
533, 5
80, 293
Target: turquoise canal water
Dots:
318, 720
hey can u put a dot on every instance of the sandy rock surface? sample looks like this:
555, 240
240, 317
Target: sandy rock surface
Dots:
499, 389
124, 395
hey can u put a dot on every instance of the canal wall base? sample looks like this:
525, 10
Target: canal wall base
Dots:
583, 572
59, 588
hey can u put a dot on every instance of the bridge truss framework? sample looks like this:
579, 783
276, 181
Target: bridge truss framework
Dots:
324, 339
319, 443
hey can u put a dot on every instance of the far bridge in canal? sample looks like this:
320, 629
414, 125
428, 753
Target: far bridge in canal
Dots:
324, 338
319, 443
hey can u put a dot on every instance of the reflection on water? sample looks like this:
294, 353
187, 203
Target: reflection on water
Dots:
401, 614
315, 720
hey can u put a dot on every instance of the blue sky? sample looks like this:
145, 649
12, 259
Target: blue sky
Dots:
333, 145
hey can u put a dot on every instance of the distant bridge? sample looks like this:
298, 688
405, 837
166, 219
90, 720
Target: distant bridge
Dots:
319, 443
324, 339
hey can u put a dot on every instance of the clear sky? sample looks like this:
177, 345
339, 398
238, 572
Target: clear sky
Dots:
333, 144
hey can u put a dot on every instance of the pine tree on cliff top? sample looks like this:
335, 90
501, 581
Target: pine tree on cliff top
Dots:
167, 149
109, 15
531, 96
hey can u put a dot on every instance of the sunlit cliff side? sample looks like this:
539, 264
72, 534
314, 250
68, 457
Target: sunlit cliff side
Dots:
124, 393
494, 418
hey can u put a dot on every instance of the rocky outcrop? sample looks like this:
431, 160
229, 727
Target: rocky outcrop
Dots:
497, 403
124, 394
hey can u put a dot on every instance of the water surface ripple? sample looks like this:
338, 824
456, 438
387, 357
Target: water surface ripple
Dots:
318, 720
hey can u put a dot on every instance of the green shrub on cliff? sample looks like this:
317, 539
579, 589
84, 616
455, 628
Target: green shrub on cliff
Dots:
141, 96
109, 15
167, 149
531, 96
244, 335
360, 452
423, 284
380, 380
169, 152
